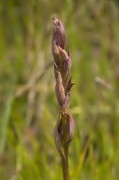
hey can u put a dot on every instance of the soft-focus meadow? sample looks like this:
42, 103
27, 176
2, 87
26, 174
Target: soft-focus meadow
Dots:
28, 106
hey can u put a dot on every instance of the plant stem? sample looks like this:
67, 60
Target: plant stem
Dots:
64, 129
64, 158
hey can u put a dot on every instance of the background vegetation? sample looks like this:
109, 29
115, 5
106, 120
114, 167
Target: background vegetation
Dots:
28, 107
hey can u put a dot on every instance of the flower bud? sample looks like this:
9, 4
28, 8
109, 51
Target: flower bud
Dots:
65, 106
58, 41
58, 34
64, 132
59, 88
66, 62
70, 127
58, 137
56, 55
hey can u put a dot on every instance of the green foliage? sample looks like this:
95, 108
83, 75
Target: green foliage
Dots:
28, 107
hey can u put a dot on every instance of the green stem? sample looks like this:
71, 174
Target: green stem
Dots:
64, 158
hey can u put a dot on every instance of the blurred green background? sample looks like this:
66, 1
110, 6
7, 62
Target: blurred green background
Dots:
28, 106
